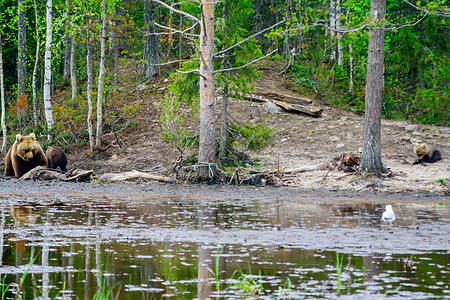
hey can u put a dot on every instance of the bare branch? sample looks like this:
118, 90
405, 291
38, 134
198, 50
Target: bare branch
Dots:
177, 61
248, 38
189, 16
438, 11
250, 63
188, 72
172, 30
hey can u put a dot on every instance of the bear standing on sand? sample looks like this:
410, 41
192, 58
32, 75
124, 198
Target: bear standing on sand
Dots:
56, 158
24, 155
426, 154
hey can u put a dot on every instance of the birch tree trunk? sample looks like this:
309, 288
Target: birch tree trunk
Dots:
352, 72
339, 34
2, 97
151, 55
22, 49
206, 154
371, 147
332, 26
48, 70
89, 68
116, 52
101, 73
73, 75
36, 65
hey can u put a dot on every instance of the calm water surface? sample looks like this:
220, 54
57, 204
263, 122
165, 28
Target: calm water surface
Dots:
140, 248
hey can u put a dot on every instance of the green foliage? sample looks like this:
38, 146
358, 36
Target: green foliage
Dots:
174, 120
253, 136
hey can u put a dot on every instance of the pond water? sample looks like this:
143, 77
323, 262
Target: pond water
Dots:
183, 247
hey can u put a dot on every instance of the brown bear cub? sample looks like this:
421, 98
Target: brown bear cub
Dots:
426, 154
56, 158
24, 155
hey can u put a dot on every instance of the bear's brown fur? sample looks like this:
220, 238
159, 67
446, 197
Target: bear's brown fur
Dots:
24, 155
56, 158
426, 154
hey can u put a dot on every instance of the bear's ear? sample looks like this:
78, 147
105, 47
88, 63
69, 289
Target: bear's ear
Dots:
18, 137
33, 135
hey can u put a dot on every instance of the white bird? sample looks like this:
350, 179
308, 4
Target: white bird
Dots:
388, 215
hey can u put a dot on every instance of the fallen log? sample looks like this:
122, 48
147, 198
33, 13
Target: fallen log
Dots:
297, 108
111, 177
282, 97
321, 166
44, 173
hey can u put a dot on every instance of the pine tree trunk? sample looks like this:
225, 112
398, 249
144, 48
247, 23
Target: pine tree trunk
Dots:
371, 147
101, 73
151, 55
2, 97
36, 65
48, 70
89, 68
22, 49
206, 154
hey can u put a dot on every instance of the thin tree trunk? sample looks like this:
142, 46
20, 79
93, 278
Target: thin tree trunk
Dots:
68, 48
332, 26
48, 70
116, 52
2, 97
371, 147
224, 128
73, 75
180, 42
89, 68
22, 49
36, 65
206, 154
101, 73
151, 55
339, 34
352, 80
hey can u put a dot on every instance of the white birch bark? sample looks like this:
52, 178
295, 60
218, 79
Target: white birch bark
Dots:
339, 35
89, 68
101, 73
2, 96
73, 75
332, 26
48, 70
351, 85
22, 49
36, 65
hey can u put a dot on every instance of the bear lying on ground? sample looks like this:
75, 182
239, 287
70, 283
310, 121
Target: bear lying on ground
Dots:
426, 154
24, 155
56, 158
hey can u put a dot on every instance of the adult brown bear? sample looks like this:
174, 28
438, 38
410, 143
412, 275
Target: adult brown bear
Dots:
24, 155
56, 158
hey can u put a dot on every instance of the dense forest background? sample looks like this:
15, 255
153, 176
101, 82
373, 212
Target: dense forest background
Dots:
78, 45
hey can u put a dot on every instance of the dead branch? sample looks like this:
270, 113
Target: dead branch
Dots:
247, 64
321, 166
44, 173
111, 177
